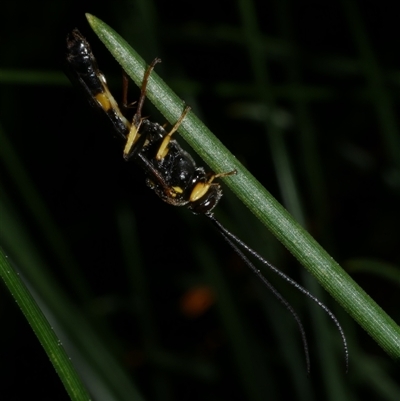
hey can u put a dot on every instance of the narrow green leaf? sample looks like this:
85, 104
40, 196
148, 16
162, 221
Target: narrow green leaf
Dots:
298, 241
43, 331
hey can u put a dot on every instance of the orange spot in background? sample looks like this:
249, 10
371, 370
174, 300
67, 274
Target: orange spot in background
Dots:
196, 301
135, 358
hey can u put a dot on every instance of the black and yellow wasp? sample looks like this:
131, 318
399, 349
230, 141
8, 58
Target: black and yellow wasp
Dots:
170, 171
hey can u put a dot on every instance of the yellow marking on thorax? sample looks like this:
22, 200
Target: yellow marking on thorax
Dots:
178, 190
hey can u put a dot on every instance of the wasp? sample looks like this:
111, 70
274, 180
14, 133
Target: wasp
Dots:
170, 171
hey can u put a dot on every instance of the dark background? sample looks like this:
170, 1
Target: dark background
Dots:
91, 238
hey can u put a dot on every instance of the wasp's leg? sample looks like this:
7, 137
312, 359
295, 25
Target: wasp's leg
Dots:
132, 141
201, 188
125, 85
163, 149
132, 136
156, 177
138, 115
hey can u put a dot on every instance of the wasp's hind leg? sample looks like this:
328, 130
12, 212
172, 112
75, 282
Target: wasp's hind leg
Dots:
125, 85
133, 134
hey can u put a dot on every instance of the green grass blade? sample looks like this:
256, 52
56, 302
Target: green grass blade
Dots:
43, 331
103, 372
309, 253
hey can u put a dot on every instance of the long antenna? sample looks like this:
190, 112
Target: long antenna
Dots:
234, 241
